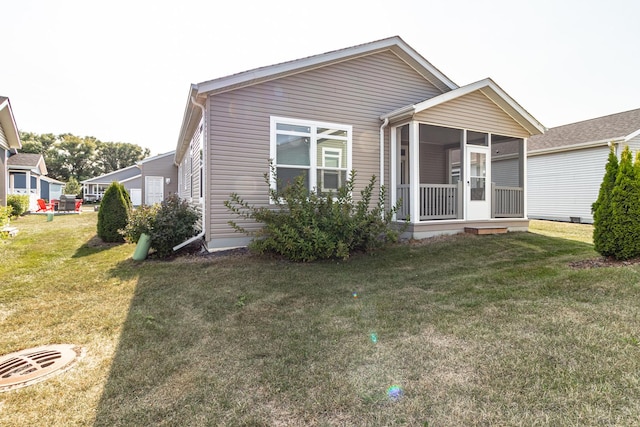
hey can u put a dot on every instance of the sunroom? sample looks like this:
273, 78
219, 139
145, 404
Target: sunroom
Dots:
460, 158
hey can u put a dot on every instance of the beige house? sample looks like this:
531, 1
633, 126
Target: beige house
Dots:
9, 144
454, 156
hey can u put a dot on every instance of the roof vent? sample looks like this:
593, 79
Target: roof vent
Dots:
33, 365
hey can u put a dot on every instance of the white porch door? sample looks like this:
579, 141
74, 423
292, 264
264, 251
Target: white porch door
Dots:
136, 196
478, 173
154, 190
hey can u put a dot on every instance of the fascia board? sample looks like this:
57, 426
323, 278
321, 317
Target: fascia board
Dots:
8, 123
499, 97
573, 147
632, 135
395, 44
186, 129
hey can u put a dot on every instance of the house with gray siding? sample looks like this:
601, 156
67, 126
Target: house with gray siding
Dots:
455, 156
149, 181
566, 164
26, 173
9, 144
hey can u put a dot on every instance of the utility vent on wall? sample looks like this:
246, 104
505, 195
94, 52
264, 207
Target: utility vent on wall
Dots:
33, 365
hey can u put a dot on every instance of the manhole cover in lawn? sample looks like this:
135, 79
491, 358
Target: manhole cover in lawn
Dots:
33, 365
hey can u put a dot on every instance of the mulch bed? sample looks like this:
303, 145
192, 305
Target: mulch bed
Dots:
602, 262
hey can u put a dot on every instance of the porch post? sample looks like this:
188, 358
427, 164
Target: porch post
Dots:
414, 170
393, 192
523, 176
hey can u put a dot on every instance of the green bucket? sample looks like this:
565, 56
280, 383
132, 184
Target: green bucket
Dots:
49, 217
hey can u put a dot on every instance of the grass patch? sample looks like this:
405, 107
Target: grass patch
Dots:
475, 330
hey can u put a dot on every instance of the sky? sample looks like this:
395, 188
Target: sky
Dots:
120, 70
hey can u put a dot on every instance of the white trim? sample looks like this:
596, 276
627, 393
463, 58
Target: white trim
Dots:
271, 72
572, 147
632, 135
313, 141
501, 99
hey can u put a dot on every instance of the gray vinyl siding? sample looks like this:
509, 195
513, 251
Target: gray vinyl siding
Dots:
117, 176
634, 145
354, 92
163, 167
564, 185
474, 112
4, 176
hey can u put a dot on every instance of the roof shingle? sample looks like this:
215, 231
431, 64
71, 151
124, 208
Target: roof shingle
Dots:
607, 128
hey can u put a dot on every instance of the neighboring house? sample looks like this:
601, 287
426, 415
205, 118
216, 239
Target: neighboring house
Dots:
566, 164
51, 189
148, 181
26, 171
454, 155
9, 144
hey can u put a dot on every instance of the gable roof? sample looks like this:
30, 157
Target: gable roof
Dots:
396, 45
27, 161
601, 130
487, 87
8, 124
118, 175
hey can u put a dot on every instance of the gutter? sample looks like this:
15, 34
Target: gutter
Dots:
573, 147
203, 181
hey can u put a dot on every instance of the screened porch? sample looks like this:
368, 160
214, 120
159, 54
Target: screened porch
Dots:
459, 174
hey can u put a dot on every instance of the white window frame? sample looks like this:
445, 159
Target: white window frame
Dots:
331, 153
313, 146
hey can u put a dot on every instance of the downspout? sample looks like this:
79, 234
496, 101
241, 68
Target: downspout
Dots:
386, 122
203, 181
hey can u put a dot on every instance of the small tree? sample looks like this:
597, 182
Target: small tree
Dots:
113, 214
625, 208
603, 237
72, 187
19, 204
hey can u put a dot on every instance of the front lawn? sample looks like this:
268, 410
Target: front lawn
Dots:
467, 330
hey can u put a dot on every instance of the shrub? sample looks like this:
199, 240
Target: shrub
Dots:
603, 238
113, 213
19, 204
304, 226
625, 208
173, 223
140, 221
5, 215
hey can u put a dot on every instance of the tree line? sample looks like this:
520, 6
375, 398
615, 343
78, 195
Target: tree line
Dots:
69, 157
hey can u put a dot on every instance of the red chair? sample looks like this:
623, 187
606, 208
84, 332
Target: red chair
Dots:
43, 206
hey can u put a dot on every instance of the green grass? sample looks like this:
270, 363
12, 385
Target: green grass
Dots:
475, 330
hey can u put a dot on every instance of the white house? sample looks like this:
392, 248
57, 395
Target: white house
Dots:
566, 164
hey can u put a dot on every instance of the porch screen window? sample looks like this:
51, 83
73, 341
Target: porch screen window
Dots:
319, 151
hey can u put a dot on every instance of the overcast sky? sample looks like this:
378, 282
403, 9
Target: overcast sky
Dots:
120, 70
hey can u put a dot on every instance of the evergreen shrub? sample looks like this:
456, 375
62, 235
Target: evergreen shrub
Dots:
603, 238
114, 213
19, 204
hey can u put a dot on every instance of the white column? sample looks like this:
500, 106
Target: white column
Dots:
393, 158
414, 170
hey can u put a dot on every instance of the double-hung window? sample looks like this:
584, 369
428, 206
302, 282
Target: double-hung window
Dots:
321, 151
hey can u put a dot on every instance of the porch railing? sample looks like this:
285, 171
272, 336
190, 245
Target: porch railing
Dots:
507, 202
443, 201
437, 201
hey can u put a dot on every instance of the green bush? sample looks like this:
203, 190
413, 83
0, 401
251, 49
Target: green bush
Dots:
603, 237
173, 223
5, 215
140, 221
113, 213
305, 226
625, 208
19, 204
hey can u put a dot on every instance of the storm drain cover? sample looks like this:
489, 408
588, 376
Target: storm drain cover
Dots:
33, 365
